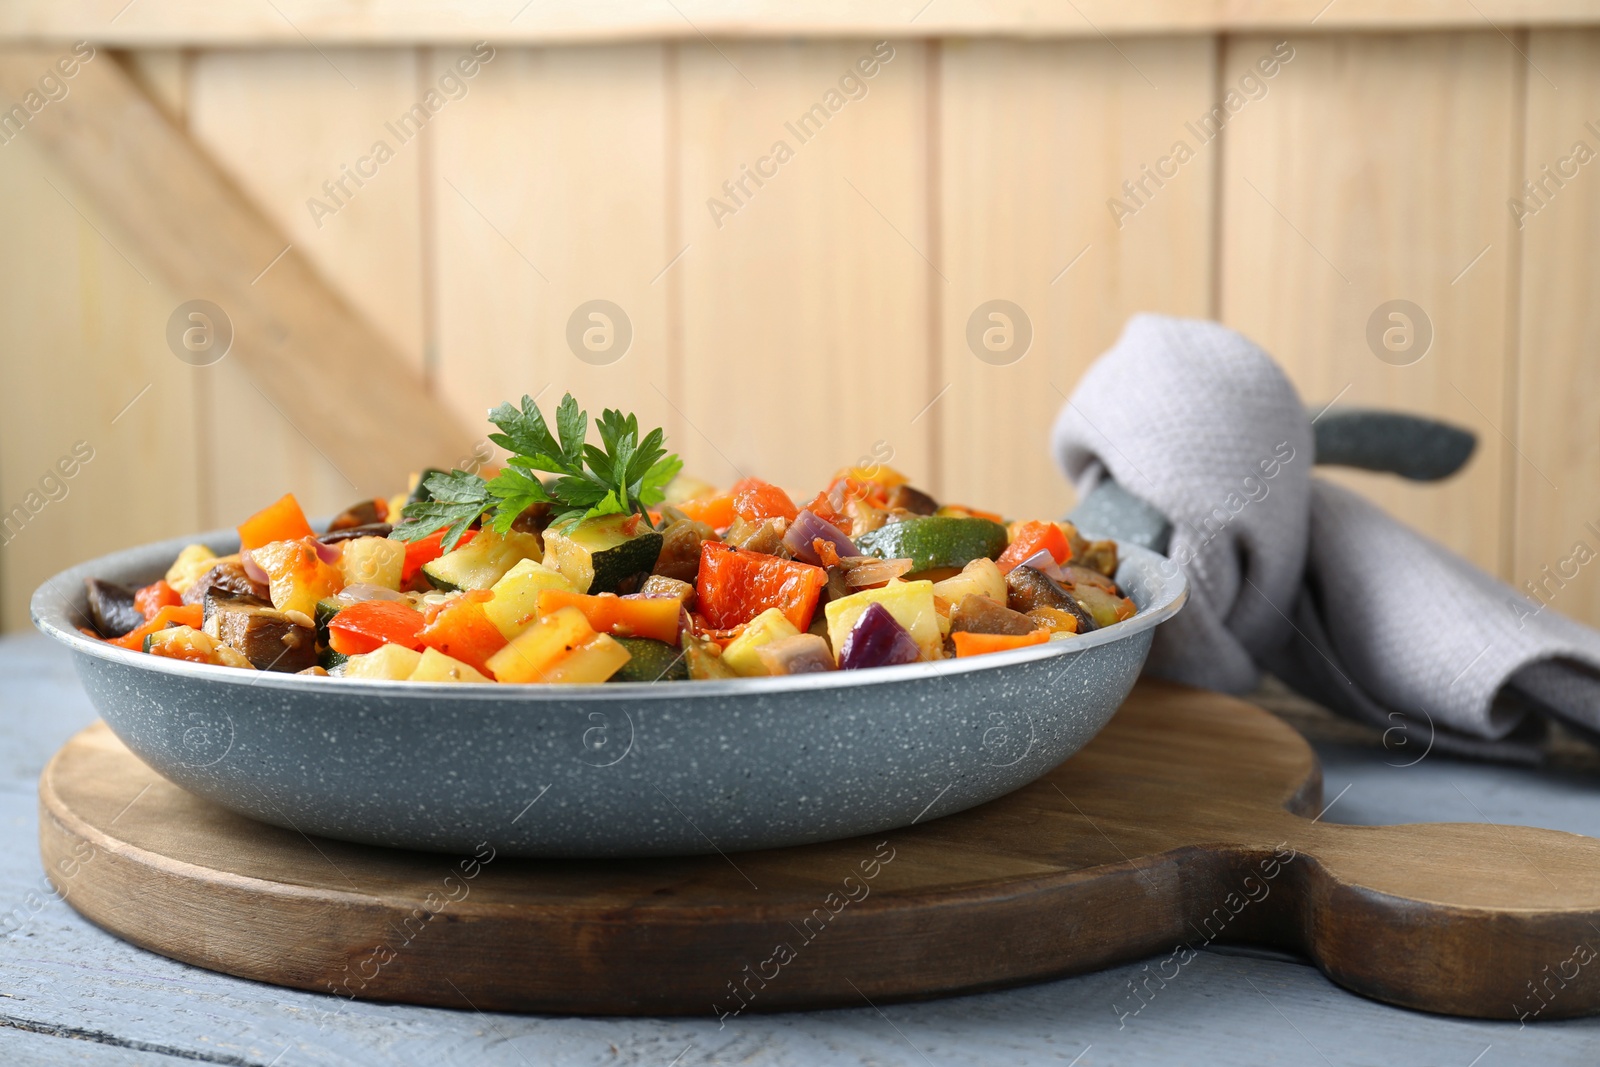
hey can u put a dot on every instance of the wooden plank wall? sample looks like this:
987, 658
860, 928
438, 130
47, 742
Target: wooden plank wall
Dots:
820, 314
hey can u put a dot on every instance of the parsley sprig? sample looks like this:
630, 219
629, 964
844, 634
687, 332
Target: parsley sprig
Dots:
624, 473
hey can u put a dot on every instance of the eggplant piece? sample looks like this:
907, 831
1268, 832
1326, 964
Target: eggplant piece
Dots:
1027, 589
1078, 576
659, 585
1100, 556
838, 586
980, 615
111, 608
534, 519
351, 533
797, 654
680, 550
268, 638
905, 498
363, 514
220, 597
765, 537
228, 578
877, 640
420, 492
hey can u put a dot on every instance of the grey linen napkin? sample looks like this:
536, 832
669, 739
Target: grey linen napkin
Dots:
1294, 575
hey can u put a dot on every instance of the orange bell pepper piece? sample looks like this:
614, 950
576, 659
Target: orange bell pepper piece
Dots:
155, 596
461, 628
281, 520
754, 500
653, 617
715, 511
1028, 539
971, 644
172, 615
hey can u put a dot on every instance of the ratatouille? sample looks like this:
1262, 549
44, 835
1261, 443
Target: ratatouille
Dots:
578, 562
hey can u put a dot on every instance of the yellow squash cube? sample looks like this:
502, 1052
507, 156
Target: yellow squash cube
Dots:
392, 663
435, 666
515, 603
536, 649
764, 629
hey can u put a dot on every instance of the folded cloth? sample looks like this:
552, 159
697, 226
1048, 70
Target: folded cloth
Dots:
1297, 576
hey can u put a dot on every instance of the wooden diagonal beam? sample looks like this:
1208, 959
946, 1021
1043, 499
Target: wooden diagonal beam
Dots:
337, 379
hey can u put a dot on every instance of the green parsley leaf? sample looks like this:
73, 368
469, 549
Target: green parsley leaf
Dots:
624, 473
459, 497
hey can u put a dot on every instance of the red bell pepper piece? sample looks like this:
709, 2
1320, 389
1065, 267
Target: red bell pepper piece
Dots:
282, 520
754, 500
369, 625
427, 550
155, 596
1028, 539
734, 586
178, 615
462, 629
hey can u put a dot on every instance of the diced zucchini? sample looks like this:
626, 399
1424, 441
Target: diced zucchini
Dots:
598, 554
769, 626
435, 666
332, 661
481, 562
935, 541
533, 652
911, 604
1106, 608
981, 577
392, 663
704, 660
652, 661
327, 608
373, 561
191, 564
515, 604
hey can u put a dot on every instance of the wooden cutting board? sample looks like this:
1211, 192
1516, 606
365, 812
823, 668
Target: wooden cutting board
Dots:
1189, 819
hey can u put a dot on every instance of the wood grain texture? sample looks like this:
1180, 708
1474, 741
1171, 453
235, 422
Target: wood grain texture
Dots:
417, 21
280, 124
1106, 858
527, 232
1558, 421
804, 318
1375, 169
86, 362
75, 986
306, 349
1035, 139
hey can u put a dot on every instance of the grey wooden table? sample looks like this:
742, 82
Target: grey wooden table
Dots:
70, 993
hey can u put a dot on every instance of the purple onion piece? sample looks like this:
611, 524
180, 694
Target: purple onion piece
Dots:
252, 568
806, 528
329, 554
877, 640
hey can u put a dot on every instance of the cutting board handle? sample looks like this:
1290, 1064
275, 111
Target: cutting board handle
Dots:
1471, 919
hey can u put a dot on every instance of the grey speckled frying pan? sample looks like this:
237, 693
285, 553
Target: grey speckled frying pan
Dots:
622, 769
